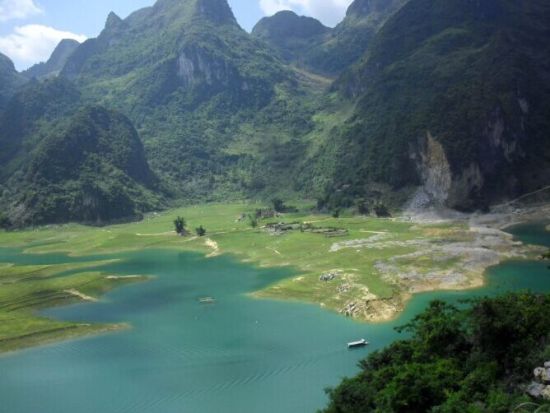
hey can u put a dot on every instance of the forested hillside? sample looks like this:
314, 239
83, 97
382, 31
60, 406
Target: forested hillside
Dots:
404, 103
306, 42
212, 105
10, 80
452, 97
88, 167
478, 359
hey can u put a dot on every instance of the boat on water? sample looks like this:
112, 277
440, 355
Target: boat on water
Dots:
358, 343
207, 300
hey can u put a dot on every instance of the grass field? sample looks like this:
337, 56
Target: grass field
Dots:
367, 262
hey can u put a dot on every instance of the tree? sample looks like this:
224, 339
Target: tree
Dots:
252, 221
475, 358
201, 232
278, 205
179, 224
381, 211
4, 221
363, 206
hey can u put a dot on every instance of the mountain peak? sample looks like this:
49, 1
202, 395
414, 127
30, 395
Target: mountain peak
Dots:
10, 79
63, 49
113, 21
55, 63
287, 24
216, 11
6, 63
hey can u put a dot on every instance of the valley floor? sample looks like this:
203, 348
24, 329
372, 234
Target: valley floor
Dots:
362, 267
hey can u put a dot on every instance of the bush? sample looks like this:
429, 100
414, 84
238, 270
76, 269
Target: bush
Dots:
201, 232
381, 211
252, 221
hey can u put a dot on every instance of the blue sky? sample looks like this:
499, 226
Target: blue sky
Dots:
30, 29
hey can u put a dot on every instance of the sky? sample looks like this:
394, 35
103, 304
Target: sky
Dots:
30, 29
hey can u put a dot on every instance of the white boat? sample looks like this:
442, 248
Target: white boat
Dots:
358, 343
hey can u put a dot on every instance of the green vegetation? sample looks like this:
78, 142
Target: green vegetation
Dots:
24, 289
474, 359
367, 255
10, 80
252, 220
223, 117
179, 225
291, 35
529, 407
55, 63
201, 231
450, 70
218, 113
90, 168
305, 42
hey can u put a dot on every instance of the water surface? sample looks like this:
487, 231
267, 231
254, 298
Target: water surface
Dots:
237, 355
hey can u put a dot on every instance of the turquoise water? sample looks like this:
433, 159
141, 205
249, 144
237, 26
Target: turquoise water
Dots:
237, 355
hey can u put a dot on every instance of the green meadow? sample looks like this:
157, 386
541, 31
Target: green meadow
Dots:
26, 289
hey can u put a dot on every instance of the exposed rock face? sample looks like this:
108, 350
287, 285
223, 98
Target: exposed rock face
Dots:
195, 66
462, 188
540, 387
435, 173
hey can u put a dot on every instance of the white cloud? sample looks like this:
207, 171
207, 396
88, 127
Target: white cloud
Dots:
18, 9
33, 43
330, 12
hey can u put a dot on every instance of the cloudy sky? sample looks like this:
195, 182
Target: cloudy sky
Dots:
30, 29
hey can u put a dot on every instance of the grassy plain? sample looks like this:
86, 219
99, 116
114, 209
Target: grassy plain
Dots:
368, 262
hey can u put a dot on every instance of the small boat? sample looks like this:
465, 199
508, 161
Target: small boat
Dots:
358, 343
207, 300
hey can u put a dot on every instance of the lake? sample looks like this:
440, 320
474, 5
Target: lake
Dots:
236, 355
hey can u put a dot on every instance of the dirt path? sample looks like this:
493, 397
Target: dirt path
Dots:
159, 234
80, 295
210, 243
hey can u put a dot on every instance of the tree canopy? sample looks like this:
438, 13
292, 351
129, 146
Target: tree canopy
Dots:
473, 359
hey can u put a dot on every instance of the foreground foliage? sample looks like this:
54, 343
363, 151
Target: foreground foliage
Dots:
473, 359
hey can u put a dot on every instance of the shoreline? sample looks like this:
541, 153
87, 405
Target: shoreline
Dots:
381, 310
91, 330
434, 253
32, 329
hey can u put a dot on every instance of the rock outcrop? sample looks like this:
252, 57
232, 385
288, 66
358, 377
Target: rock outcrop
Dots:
540, 387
